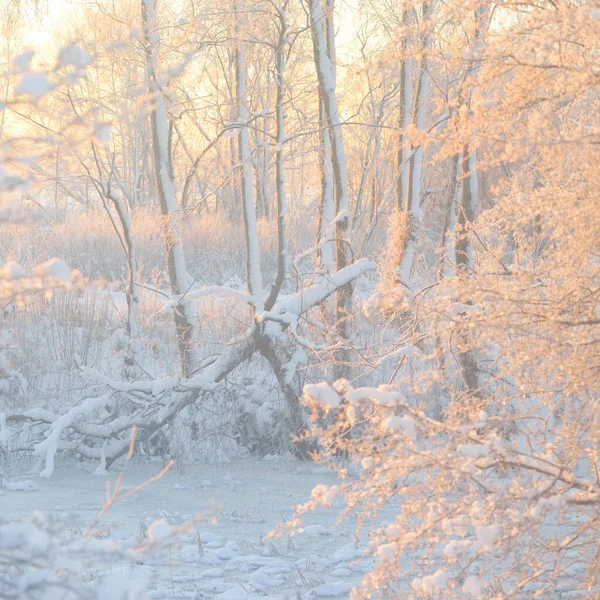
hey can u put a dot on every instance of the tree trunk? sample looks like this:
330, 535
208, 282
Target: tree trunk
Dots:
325, 232
415, 166
468, 203
179, 279
324, 54
282, 244
404, 121
448, 254
253, 273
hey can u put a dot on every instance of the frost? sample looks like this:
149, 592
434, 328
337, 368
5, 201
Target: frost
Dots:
33, 84
323, 393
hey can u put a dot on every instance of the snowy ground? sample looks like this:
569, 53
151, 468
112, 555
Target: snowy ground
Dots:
233, 562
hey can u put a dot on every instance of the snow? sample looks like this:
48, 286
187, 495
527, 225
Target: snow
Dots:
432, 584
367, 463
4, 431
22, 60
264, 579
553, 502
214, 290
25, 537
159, 530
73, 55
117, 586
381, 395
473, 586
323, 393
334, 589
236, 560
101, 132
253, 271
159, 386
33, 84
405, 424
11, 270
487, 535
325, 495
456, 547
474, 450
301, 302
56, 269
19, 486
388, 551
49, 447
317, 530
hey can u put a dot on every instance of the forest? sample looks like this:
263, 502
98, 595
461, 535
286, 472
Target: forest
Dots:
333, 265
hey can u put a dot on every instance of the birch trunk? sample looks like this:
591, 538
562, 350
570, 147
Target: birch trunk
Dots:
415, 165
125, 236
404, 121
470, 189
325, 233
132, 294
448, 257
265, 158
253, 273
282, 253
325, 66
466, 213
179, 279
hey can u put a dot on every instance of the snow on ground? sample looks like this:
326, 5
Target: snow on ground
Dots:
233, 561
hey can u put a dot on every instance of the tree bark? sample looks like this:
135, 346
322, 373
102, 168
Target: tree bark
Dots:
415, 166
324, 54
179, 279
253, 272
